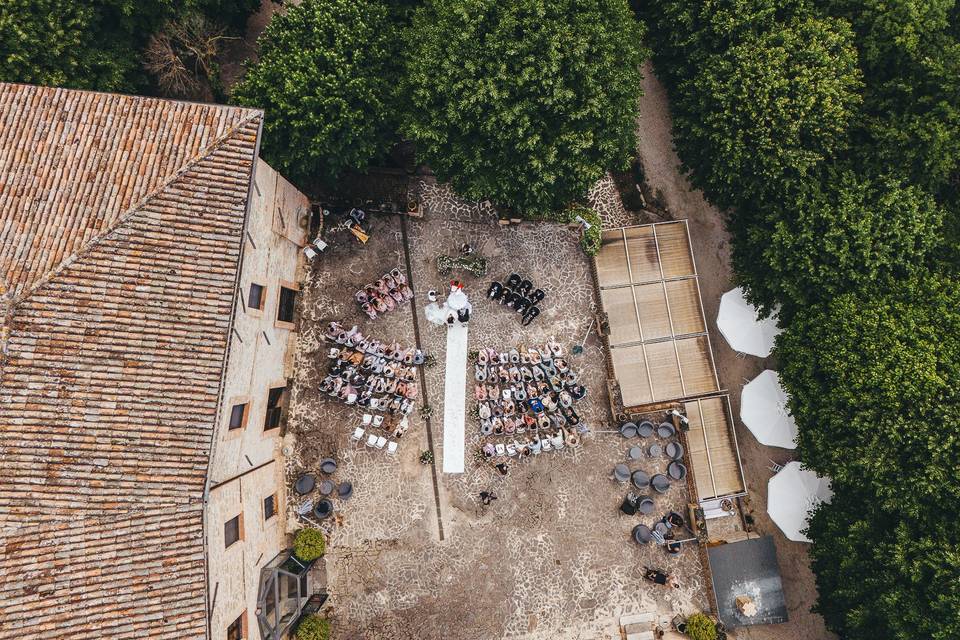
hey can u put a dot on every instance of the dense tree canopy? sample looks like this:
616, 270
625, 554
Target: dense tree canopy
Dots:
96, 44
884, 575
873, 378
525, 103
911, 58
687, 33
768, 110
838, 196
64, 43
833, 235
325, 80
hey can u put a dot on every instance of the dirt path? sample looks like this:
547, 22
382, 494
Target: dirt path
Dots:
711, 244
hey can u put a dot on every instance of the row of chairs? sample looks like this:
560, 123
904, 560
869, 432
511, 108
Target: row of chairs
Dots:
374, 441
370, 419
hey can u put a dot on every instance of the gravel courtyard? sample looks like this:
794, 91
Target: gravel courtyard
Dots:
414, 553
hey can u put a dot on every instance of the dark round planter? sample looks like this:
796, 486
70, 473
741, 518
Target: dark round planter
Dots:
328, 465
324, 509
621, 472
677, 470
645, 429
305, 484
641, 534
666, 430
674, 450
660, 483
640, 479
345, 490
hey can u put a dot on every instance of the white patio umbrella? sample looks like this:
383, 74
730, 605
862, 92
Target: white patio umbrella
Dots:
791, 495
763, 408
737, 321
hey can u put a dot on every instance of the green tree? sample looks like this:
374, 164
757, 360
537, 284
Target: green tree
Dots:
325, 79
96, 44
881, 575
700, 627
684, 33
873, 380
525, 103
309, 544
910, 55
59, 43
313, 628
835, 234
766, 112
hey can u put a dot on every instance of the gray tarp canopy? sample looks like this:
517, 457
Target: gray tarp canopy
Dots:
748, 568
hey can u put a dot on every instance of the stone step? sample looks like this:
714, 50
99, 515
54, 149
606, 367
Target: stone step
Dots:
638, 618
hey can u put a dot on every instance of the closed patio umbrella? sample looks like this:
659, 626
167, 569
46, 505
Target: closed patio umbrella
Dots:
791, 495
763, 408
744, 332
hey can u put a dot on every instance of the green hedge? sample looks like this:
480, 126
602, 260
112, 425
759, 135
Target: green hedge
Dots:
313, 628
700, 627
309, 544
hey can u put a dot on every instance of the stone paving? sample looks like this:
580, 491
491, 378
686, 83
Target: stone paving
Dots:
411, 557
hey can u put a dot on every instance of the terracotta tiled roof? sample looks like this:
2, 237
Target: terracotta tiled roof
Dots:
120, 231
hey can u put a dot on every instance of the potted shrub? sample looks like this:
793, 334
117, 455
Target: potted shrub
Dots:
313, 627
700, 627
308, 545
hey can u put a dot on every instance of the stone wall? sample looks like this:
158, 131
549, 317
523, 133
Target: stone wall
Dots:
246, 463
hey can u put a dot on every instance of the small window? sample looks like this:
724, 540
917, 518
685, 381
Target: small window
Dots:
288, 299
231, 531
235, 630
269, 507
238, 416
274, 407
256, 298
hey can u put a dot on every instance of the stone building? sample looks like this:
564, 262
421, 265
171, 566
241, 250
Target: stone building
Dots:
148, 270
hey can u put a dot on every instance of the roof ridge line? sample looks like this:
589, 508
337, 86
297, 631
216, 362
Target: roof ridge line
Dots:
133, 209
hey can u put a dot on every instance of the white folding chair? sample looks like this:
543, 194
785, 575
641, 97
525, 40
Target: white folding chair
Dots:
372, 440
381, 442
392, 447
367, 419
357, 435
377, 421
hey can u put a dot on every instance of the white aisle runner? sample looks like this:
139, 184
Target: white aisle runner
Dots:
454, 398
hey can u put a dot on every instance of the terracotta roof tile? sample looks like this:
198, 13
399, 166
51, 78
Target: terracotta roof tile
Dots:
120, 231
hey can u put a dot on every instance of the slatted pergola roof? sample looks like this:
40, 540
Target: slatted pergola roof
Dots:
658, 335
712, 448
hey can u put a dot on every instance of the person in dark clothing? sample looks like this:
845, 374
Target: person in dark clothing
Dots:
487, 497
502, 468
